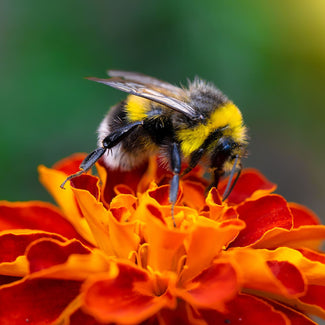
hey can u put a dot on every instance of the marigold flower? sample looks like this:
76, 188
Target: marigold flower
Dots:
109, 252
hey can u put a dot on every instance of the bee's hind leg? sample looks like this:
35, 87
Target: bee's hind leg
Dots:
175, 161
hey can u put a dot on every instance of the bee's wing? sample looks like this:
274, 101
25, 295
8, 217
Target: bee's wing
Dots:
153, 92
146, 80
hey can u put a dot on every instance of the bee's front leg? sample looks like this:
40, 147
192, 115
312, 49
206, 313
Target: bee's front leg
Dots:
109, 142
175, 162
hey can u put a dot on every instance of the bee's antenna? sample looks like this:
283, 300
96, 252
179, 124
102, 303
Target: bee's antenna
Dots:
230, 185
87, 163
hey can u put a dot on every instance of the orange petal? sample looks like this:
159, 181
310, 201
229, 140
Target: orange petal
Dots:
123, 207
165, 244
51, 180
127, 298
122, 234
269, 273
312, 270
259, 278
193, 194
96, 216
113, 237
12, 271
304, 236
205, 241
268, 212
159, 198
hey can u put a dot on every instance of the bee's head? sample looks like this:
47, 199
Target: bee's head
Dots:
224, 153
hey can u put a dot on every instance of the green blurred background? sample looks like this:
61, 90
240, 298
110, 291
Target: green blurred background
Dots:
267, 56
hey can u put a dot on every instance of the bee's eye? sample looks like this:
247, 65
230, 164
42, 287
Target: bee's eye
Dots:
225, 146
222, 152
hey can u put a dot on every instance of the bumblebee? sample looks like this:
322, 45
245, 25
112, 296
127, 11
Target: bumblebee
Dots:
197, 124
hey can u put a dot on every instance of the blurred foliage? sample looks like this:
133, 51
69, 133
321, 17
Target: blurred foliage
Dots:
267, 56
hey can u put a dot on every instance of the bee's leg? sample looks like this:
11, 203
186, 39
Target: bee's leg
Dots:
230, 185
118, 135
109, 142
175, 161
86, 164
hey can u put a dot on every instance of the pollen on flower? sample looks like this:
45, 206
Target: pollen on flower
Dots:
108, 252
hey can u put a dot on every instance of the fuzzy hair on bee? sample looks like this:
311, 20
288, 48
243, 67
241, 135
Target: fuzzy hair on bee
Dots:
194, 124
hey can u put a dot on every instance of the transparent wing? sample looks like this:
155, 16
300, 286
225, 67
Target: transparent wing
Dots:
154, 92
146, 80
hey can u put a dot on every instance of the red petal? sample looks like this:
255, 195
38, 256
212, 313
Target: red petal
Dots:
288, 275
79, 317
127, 298
35, 215
315, 296
5, 279
47, 253
212, 288
14, 245
36, 301
261, 215
71, 164
160, 194
88, 183
246, 310
111, 178
184, 314
251, 182
302, 216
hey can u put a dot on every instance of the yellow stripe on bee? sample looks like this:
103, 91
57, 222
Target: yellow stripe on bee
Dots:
137, 108
228, 115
